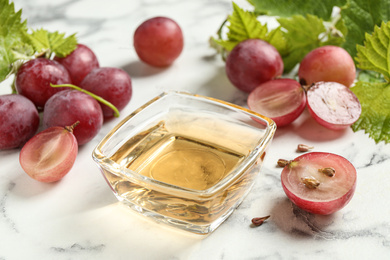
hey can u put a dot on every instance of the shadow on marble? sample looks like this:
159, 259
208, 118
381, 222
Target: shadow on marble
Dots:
299, 223
138, 69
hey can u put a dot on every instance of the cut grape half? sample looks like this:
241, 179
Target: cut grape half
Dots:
333, 105
282, 100
50, 154
328, 193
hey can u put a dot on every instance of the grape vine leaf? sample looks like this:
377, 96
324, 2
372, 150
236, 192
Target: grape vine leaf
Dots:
360, 17
375, 96
303, 34
12, 30
52, 42
286, 8
244, 25
375, 117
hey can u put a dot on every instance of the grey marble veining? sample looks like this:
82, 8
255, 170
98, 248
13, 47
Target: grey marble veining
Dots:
79, 217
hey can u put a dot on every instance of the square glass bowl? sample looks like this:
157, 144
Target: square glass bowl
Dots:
185, 160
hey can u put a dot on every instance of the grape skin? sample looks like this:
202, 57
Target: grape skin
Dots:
19, 120
69, 106
327, 63
79, 63
253, 62
34, 77
112, 84
158, 41
282, 100
49, 155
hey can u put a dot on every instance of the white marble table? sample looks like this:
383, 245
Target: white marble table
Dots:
79, 217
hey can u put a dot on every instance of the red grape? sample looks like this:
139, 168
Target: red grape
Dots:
282, 100
49, 155
308, 182
333, 105
34, 77
19, 120
112, 84
158, 41
79, 63
253, 62
327, 63
69, 106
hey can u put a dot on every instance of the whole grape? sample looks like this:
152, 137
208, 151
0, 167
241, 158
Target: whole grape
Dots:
34, 77
69, 106
327, 63
158, 41
112, 84
253, 62
79, 63
19, 120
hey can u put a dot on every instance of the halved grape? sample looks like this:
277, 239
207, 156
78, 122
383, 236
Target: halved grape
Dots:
282, 100
112, 84
69, 106
19, 120
158, 41
50, 154
333, 105
79, 63
327, 63
318, 182
34, 77
253, 62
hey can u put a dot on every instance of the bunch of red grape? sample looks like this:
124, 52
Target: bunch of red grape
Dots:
326, 73
62, 107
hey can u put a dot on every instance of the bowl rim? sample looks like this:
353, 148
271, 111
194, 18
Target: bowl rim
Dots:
103, 161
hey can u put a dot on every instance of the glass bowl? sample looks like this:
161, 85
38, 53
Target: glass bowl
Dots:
185, 160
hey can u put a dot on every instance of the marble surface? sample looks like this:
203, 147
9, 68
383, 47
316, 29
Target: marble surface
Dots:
79, 217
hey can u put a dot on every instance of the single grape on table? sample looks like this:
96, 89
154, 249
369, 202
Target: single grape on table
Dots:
327, 63
158, 41
253, 62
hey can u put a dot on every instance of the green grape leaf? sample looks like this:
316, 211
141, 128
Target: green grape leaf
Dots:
360, 17
303, 34
12, 30
244, 25
52, 42
374, 55
375, 117
286, 8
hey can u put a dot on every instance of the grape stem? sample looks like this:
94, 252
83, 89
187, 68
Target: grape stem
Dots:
98, 98
71, 127
259, 221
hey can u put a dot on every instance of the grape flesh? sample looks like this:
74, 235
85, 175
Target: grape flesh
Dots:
69, 106
34, 77
327, 63
158, 41
79, 63
332, 193
282, 100
19, 120
112, 84
49, 155
253, 62
333, 105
